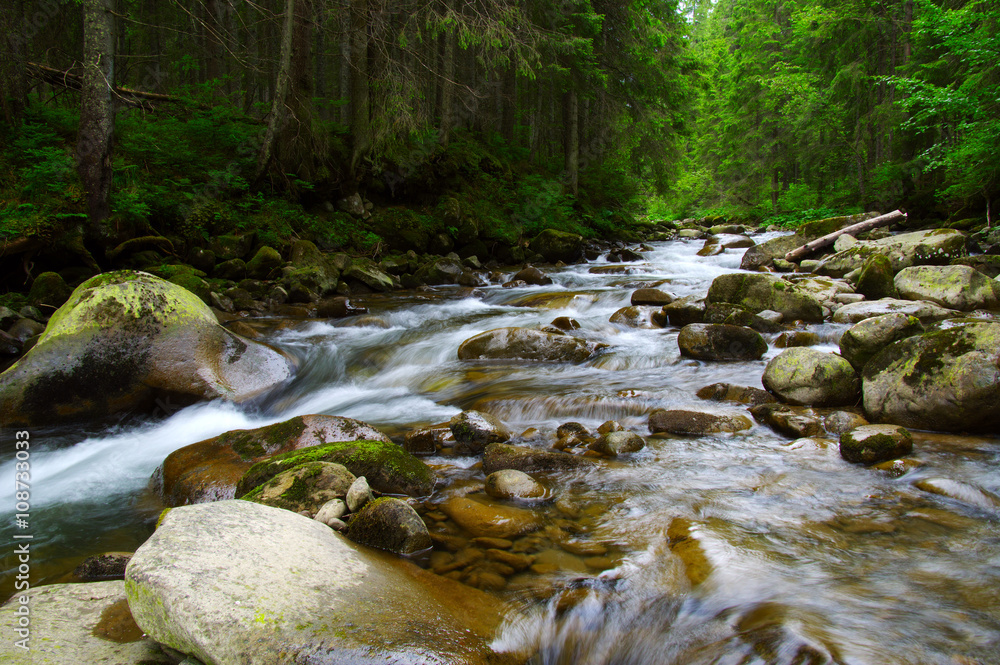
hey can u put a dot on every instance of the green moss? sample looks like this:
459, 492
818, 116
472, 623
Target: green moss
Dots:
387, 466
253, 444
162, 516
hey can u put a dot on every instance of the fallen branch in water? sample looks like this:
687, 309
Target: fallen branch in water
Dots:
830, 238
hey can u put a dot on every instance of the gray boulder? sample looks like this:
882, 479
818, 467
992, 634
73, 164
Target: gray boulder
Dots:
805, 376
945, 380
236, 582
934, 247
866, 338
761, 291
922, 310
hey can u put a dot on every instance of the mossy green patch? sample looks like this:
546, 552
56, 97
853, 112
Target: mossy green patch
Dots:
254, 444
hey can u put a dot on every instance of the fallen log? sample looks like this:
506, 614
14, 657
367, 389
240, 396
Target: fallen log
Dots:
830, 238
72, 81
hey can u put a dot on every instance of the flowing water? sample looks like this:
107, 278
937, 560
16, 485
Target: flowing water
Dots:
729, 548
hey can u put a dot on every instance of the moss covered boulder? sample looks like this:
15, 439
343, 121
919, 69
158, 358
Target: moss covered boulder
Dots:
367, 272
124, 339
527, 344
805, 376
388, 468
955, 287
871, 444
863, 340
49, 290
944, 380
933, 247
876, 278
557, 246
209, 470
763, 254
759, 292
263, 262
720, 341
389, 524
304, 488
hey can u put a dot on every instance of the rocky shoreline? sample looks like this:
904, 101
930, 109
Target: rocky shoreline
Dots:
923, 353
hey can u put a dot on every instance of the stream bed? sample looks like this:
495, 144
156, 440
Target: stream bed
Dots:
729, 548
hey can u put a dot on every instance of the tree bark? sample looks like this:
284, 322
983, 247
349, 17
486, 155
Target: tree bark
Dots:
829, 239
13, 84
360, 115
447, 82
571, 111
279, 109
95, 143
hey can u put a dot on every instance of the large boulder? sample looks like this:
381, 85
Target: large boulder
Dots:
862, 341
719, 341
368, 273
75, 623
209, 470
557, 246
388, 468
526, 344
946, 380
934, 247
806, 376
122, 340
760, 291
955, 287
920, 309
237, 582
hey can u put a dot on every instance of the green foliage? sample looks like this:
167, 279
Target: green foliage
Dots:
791, 220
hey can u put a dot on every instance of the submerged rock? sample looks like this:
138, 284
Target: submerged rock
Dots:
474, 430
945, 380
122, 340
287, 589
513, 484
618, 443
486, 520
499, 456
727, 392
527, 344
677, 421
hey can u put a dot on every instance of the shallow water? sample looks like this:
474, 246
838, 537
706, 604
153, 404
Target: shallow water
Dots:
786, 553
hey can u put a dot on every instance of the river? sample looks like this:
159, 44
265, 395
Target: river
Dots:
808, 559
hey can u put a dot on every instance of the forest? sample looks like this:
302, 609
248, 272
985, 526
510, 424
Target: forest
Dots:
371, 127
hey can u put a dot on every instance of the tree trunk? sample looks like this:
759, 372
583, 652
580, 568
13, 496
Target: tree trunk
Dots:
830, 238
13, 50
360, 115
97, 111
447, 82
571, 127
345, 65
279, 108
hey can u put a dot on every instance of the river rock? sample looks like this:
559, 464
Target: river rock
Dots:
738, 315
793, 338
527, 344
101, 567
513, 484
637, 316
263, 262
390, 524
923, 310
866, 338
310, 270
727, 392
211, 469
358, 494
761, 291
935, 247
955, 287
286, 589
500, 456
487, 520
795, 422
386, 466
678, 421
652, 297
717, 341
427, 440
618, 443
876, 278
839, 422
368, 273
945, 380
871, 444
555, 246
474, 430
685, 311
332, 510
532, 275
805, 376
49, 289
304, 488
122, 340
77, 623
